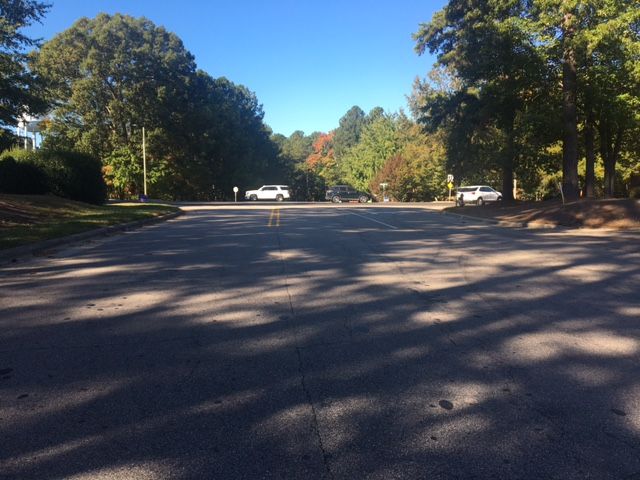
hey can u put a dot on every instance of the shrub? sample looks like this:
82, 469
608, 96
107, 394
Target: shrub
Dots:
72, 175
75, 175
22, 156
25, 178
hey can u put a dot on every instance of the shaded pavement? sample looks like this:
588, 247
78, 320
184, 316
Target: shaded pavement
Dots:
336, 343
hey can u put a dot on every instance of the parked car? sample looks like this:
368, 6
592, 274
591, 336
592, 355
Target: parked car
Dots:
478, 194
339, 193
268, 192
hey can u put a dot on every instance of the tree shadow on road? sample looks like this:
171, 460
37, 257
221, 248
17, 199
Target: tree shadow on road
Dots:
215, 347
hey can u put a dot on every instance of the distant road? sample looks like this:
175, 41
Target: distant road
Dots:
287, 204
323, 342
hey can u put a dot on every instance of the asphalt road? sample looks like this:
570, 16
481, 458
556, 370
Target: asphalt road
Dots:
323, 342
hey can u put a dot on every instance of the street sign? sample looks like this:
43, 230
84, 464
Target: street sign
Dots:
449, 184
384, 185
235, 194
235, 189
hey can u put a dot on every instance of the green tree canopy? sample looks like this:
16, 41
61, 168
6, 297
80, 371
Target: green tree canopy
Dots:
19, 92
378, 143
487, 45
516, 62
113, 75
349, 130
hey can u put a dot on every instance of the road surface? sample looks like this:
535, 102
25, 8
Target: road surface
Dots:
323, 342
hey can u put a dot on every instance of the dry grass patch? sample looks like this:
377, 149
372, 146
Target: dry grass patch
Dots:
616, 213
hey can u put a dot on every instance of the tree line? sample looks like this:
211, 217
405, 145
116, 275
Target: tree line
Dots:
546, 92
543, 92
365, 151
109, 77
536, 90
103, 80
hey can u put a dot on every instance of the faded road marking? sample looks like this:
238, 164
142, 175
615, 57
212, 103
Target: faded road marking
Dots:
374, 220
274, 218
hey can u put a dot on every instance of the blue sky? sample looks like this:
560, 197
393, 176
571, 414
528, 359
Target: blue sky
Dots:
307, 62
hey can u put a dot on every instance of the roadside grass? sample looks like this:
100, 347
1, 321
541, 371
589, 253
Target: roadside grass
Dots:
27, 219
586, 213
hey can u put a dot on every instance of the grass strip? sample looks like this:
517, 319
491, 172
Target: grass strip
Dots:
33, 219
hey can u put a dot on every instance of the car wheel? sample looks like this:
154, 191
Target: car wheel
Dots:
279, 198
480, 201
335, 199
499, 199
363, 199
253, 198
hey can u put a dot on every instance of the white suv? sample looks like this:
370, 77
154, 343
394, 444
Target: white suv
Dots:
478, 194
269, 192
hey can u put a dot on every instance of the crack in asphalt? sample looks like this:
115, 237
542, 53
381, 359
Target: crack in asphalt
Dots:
314, 415
303, 382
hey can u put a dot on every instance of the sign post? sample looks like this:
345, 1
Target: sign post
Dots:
144, 163
235, 194
384, 195
450, 184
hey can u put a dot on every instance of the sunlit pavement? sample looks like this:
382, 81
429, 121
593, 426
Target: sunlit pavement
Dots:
333, 342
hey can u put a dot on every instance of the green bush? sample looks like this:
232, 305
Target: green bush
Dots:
25, 178
72, 175
76, 176
22, 156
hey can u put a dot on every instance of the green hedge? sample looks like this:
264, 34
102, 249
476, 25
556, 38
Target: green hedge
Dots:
72, 175
26, 178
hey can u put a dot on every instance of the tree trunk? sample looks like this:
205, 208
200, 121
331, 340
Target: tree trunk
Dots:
507, 183
609, 177
610, 147
590, 153
507, 165
610, 165
570, 113
605, 144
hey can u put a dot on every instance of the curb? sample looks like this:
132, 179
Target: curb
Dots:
12, 254
505, 223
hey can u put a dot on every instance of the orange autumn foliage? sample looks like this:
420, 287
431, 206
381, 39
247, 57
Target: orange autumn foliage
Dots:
322, 155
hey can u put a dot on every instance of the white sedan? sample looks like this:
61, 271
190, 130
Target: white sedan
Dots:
269, 192
478, 194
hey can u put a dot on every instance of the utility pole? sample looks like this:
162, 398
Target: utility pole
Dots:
144, 163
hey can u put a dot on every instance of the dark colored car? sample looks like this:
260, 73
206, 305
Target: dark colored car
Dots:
340, 193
